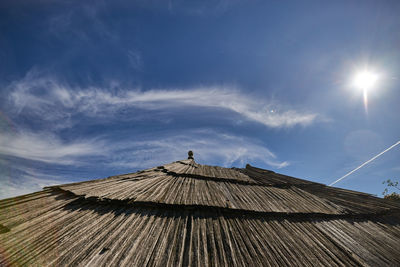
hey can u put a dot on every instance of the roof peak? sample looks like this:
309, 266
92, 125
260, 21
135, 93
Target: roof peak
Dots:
190, 154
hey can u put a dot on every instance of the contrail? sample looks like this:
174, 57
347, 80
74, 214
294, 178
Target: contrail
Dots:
365, 163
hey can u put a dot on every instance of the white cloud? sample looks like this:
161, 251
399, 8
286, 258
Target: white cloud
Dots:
43, 98
54, 101
208, 146
17, 187
48, 148
25, 184
17, 179
118, 154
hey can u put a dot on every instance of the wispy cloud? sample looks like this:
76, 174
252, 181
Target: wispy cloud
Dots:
53, 100
120, 155
53, 109
67, 22
135, 59
48, 148
22, 186
124, 152
209, 146
18, 179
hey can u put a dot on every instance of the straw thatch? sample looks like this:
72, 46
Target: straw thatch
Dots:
187, 214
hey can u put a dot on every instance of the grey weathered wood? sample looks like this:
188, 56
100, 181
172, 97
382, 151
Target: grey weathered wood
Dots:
185, 213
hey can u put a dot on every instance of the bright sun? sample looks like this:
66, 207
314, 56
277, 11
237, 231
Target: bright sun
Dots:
365, 80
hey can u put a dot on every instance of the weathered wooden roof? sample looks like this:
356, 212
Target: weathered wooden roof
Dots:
185, 213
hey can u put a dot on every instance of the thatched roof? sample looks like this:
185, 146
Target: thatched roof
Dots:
185, 213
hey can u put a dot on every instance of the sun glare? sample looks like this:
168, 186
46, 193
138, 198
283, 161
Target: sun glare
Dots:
365, 80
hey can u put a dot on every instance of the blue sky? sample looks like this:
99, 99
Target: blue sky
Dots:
90, 89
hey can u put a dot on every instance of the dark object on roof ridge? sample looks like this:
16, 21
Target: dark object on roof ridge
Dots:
190, 154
